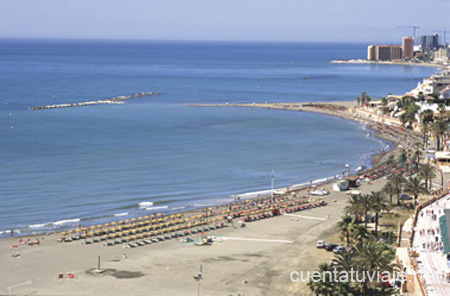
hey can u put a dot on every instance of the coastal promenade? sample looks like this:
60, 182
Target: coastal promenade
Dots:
431, 263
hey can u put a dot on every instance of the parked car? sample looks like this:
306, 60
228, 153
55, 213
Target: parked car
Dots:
339, 249
330, 247
404, 196
320, 244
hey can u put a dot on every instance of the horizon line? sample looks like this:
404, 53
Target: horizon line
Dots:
179, 40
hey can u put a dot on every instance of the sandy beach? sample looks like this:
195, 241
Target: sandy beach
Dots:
252, 260
256, 260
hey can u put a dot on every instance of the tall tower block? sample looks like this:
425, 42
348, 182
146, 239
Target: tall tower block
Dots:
408, 47
371, 53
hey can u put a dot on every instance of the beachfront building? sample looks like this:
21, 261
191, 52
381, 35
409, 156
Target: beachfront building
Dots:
408, 47
384, 52
433, 85
442, 55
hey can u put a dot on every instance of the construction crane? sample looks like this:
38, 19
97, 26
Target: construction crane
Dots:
444, 32
413, 27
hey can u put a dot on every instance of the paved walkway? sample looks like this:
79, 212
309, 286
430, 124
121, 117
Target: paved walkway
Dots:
432, 264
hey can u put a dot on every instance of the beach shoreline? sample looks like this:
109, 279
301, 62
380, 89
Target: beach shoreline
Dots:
373, 156
252, 260
263, 193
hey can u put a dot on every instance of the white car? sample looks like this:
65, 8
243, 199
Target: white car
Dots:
320, 244
339, 249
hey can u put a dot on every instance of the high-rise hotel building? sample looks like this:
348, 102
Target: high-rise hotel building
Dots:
408, 47
391, 52
384, 52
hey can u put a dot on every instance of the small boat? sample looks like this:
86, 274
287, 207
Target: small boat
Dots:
319, 192
360, 168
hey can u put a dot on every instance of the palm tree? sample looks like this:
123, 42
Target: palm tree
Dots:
426, 127
375, 256
397, 182
427, 116
439, 129
345, 261
359, 233
427, 172
354, 206
415, 187
363, 98
365, 202
417, 155
390, 190
324, 285
378, 204
344, 225
409, 114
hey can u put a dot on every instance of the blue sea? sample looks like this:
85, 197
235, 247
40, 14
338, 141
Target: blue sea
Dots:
91, 164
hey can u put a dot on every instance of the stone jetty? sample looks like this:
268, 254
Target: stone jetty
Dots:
114, 100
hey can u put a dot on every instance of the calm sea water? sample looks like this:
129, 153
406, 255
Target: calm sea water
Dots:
110, 162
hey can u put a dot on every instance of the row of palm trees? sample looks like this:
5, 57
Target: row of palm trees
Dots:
363, 99
397, 184
366, 253
363, 255
362, 205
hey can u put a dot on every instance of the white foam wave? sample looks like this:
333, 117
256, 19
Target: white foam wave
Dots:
120, 214
145, 204
64, 222
178, 208
38, 225
156, 208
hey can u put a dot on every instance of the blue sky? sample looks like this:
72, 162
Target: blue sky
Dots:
251, 20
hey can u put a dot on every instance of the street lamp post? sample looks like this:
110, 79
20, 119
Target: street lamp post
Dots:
198, 278
271, 187
347, 169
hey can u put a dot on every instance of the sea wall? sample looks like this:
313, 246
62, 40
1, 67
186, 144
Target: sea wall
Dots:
114, 100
